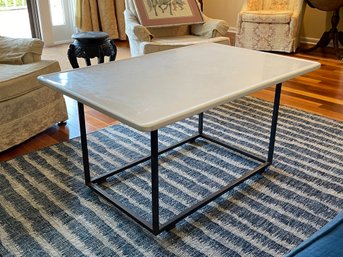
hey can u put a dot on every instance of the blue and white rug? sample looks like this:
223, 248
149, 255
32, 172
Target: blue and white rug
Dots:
46, 210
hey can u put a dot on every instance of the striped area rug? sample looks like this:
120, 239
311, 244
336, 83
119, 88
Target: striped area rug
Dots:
46, 210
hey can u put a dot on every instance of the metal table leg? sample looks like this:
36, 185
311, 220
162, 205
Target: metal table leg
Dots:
155, 227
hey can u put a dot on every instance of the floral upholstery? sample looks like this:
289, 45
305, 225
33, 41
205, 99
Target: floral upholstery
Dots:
279, 5
267, 16
270, 25
27, 107
254, 5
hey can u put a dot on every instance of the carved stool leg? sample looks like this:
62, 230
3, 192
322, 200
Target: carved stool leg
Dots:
323, 42
88, 61
101, 58
340, 37
113, 54
72, 57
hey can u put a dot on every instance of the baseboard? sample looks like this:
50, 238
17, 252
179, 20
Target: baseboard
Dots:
309, 40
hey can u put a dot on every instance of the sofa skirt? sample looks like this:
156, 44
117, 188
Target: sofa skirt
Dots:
27, 115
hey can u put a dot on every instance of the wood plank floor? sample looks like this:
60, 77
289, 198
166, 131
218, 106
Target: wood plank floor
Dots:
319, 92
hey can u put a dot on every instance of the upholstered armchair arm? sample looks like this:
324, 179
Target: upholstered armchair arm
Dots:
20, 50
296, 19
210, 28
134, 29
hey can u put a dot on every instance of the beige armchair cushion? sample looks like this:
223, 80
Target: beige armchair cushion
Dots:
267, 16
21, 79
20, 50
172, 31
161, 44
27, 107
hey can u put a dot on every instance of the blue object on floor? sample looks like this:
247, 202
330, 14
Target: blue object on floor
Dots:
327, 242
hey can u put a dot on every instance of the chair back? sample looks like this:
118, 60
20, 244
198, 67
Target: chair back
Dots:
170, 31
278, 4
271, 4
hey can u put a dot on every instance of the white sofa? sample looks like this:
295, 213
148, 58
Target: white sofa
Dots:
26, 107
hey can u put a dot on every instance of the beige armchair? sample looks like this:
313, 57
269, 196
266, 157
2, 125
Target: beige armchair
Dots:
145, 40
270, 25
27, 107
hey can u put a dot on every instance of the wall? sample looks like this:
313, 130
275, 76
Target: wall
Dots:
314, 24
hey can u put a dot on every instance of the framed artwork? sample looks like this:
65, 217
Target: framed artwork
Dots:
159, 13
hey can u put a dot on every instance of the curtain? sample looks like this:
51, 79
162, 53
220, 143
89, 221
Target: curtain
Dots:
101, 15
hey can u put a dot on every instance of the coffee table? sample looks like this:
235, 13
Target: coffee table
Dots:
155, 90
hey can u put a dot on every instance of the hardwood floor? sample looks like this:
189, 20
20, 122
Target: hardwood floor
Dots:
319, 92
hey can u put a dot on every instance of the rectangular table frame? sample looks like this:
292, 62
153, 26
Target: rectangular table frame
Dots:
155, 227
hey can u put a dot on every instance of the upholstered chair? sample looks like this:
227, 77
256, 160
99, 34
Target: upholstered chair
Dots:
26, 106
270, 25
144, 40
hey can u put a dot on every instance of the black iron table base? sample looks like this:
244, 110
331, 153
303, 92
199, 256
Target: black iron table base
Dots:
155, 227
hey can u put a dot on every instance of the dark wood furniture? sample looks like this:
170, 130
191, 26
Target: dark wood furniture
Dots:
333, 34
89, 45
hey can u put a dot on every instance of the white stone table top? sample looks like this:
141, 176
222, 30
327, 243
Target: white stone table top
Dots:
155, 90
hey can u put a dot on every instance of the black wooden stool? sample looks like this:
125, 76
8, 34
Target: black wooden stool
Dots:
89, 45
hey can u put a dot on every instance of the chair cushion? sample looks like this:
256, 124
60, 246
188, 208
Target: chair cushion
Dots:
16, 80
20, 50
166, 43
267, 16
185, 40
172, 31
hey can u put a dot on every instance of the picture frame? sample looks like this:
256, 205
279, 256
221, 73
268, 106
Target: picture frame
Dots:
163, 13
